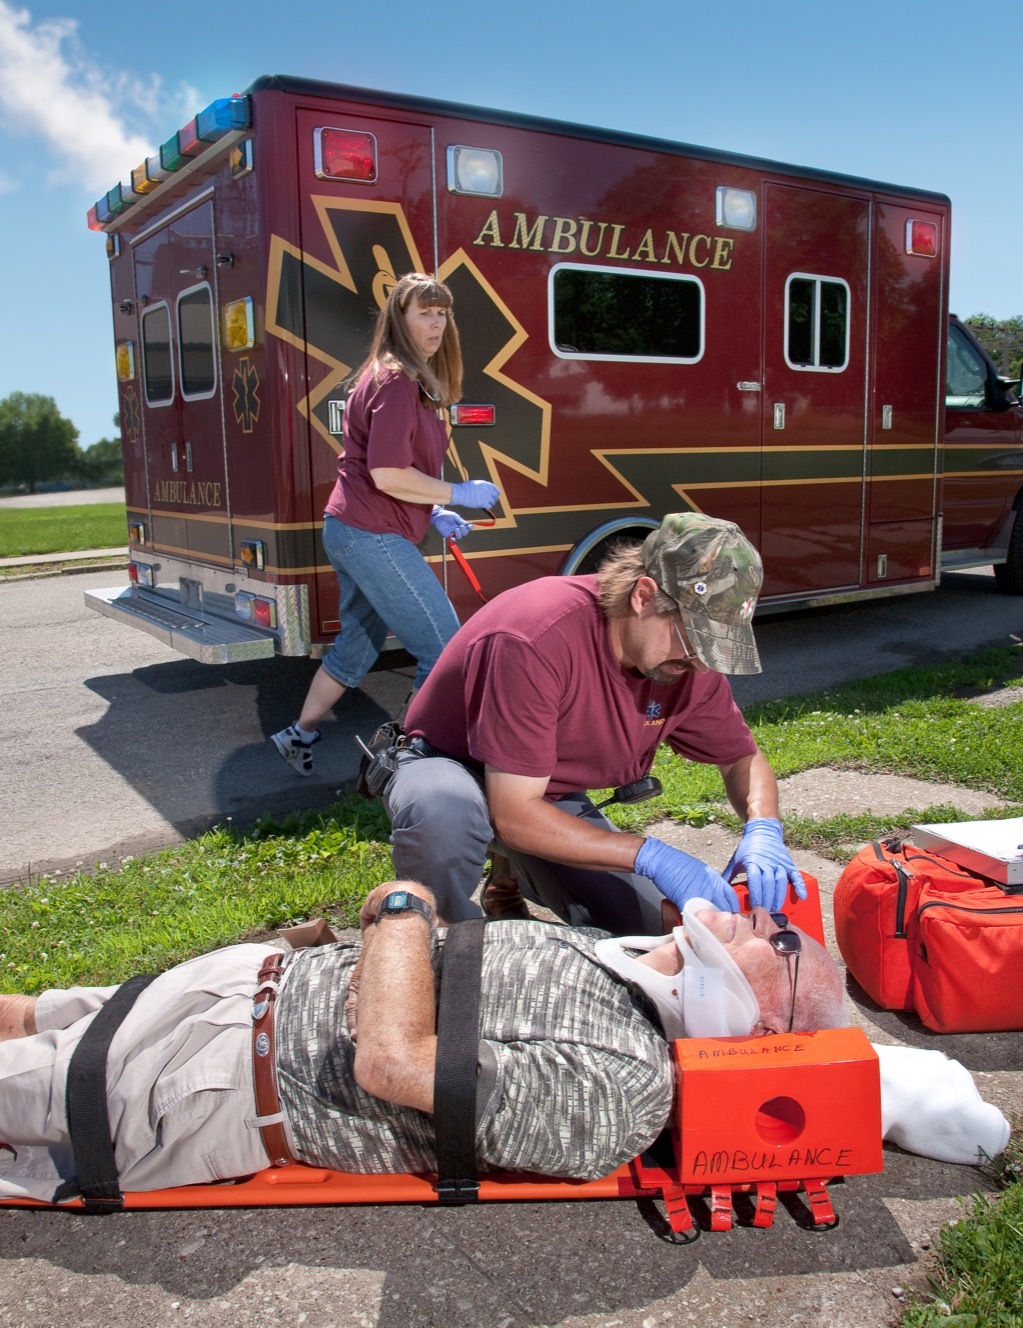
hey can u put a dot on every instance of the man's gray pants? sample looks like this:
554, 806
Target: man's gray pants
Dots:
441, 835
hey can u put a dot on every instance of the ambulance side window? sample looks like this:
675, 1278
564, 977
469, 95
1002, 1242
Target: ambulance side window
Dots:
196, 344
157, 365
965, 374
816, 323
606, 314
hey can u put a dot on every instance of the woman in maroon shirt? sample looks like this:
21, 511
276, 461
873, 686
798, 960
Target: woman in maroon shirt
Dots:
388, 493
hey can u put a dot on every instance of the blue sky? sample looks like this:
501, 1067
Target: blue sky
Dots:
912, 93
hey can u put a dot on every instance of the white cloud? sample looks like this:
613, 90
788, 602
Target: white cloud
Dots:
52, 90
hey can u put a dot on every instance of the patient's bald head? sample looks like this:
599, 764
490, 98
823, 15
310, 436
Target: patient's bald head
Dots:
819, 990
746, 938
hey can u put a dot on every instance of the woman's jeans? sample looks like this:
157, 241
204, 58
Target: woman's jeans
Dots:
385, 583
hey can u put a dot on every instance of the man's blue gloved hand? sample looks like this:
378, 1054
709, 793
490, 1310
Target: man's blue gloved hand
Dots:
768, 864
475, 493
679, 876
449, 524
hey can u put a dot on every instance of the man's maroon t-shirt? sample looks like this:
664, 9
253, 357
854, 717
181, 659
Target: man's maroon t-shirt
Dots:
530, 685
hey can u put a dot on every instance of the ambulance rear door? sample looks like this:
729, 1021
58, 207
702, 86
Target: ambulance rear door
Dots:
183, 431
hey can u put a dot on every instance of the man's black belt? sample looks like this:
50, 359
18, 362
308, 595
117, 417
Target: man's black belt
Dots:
423, 748
458, 1035
88, 1114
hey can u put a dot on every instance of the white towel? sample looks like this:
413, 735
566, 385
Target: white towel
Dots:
930, 1105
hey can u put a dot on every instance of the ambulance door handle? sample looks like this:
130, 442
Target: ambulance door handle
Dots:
779, 415
174, 457
188, 456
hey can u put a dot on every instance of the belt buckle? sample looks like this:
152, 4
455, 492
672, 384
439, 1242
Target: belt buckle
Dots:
259, 1007
268, 990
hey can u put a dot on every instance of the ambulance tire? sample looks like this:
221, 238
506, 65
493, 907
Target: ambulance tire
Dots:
599, 552
1009, 575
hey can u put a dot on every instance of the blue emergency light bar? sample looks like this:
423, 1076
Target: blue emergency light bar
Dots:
221, 117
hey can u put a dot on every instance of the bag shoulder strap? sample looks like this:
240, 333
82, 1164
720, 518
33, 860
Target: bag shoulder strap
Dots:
458, 1032
88, 1115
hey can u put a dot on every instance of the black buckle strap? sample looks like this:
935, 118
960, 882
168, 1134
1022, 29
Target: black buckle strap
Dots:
458, 1024
88, 1114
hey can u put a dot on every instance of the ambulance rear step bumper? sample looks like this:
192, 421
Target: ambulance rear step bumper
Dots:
201, 636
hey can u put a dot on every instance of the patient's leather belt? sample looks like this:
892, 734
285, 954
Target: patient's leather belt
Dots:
269, 1117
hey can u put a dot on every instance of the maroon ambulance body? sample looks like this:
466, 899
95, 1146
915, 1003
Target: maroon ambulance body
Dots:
647, 327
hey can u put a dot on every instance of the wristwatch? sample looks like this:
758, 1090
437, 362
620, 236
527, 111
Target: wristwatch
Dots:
404, 901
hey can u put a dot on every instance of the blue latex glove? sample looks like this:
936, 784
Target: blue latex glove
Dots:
768, 864
679, 876
475, 493
449, 525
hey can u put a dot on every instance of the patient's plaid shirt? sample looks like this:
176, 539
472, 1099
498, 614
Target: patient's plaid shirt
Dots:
574, 1079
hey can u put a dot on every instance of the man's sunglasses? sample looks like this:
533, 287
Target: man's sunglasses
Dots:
788, 943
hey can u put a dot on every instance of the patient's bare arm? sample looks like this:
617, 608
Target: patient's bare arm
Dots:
17, 1017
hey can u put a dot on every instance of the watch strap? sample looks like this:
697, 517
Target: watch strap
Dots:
410, 903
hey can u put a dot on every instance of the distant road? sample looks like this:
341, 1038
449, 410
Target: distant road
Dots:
66, 498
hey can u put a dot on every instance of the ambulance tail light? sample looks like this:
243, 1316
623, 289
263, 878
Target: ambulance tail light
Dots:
922, 238
141, 574
344, 154
477, 415
255, 609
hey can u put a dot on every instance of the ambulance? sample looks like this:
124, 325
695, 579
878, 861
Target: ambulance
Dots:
647, 327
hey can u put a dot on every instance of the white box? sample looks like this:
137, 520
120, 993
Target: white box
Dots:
991, 848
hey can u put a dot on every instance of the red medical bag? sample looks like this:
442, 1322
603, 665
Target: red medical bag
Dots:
919, 932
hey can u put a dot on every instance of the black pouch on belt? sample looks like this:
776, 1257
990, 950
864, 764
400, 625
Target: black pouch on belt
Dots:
379, 759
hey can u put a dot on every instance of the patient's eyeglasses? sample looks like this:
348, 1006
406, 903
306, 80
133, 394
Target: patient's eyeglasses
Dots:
788, 943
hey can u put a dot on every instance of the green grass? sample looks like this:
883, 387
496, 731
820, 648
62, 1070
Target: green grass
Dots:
977, 1280
918, 722
28, 530
145, 914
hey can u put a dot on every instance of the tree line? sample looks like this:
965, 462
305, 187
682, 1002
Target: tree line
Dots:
39, 446
1002, 338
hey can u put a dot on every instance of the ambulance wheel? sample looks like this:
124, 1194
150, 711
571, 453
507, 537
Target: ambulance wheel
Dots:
592, 560
1009, 575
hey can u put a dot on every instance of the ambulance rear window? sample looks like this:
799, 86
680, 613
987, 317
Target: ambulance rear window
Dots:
607, 314
195, 342
157, 367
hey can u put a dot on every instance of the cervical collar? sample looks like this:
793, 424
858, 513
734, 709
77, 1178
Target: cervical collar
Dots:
710, 997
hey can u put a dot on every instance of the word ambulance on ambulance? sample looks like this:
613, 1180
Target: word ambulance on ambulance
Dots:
647, 327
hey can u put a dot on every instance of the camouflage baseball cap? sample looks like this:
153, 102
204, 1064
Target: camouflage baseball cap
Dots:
714, 574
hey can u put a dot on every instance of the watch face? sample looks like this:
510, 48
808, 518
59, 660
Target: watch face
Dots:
397, 901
